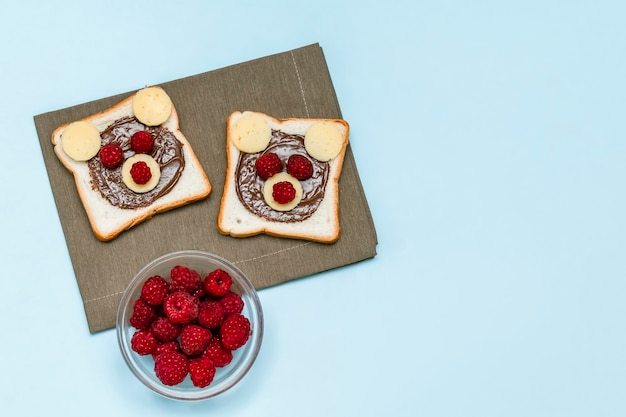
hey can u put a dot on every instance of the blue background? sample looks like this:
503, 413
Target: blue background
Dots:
490, 141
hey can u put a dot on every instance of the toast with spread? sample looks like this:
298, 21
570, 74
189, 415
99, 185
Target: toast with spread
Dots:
131, 162
282, 177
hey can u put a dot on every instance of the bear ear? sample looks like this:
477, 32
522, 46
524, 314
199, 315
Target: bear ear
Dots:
323, 141
152, 106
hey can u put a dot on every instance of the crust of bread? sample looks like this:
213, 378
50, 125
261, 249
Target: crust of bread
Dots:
323, 226
108, 221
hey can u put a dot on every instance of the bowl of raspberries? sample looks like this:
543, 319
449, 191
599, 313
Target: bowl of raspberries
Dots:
190, 325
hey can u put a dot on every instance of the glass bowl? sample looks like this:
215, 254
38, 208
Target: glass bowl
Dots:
243, 358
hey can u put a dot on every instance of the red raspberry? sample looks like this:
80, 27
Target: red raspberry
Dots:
217, 283
218, 354
165, 347
164, 330
111, 155
267, 165
211, 314
199, 292
171, 368
143, 342
140, 171
154, 290
232, 303
194, 339
299, 167
142, 141
235, 331
184, 279
283, 192
181, 307
201, 371
142, 316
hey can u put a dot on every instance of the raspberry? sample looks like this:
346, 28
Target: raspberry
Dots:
164, 330
211, 314
165, 347
235, 331
143, 342
218, 354
154, 290
140, 171
267, 165
283, 192
142, 141
199, 293
142, 316
181, 307
111, 155
184, 279
171, 368
232, 303
194, 339
299, 167
201, 371
217, 283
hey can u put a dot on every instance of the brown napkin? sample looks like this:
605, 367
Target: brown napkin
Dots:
290, 84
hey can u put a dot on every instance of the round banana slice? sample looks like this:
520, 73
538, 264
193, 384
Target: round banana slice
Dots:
152, 106
251, 134
323, 141
269, 187
155, 170
80, 141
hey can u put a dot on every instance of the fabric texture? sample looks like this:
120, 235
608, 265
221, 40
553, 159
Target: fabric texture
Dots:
295, 83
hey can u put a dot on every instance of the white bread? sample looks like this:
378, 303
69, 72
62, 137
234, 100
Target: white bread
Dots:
322, 226
108, 221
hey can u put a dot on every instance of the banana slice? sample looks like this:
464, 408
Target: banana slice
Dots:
269, 187
152, 106
251, 134
323, 141
155, 169
81, 141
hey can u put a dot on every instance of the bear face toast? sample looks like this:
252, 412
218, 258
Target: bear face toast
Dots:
282, 177
130, 162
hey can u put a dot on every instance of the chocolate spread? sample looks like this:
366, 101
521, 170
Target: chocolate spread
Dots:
167, 151
250, 186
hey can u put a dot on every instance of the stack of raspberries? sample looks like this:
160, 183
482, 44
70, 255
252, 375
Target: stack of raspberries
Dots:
190, 324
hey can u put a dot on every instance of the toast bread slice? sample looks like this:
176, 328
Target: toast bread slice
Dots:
237, 219
107, 220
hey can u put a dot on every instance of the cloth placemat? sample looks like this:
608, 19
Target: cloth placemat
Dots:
295, 83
